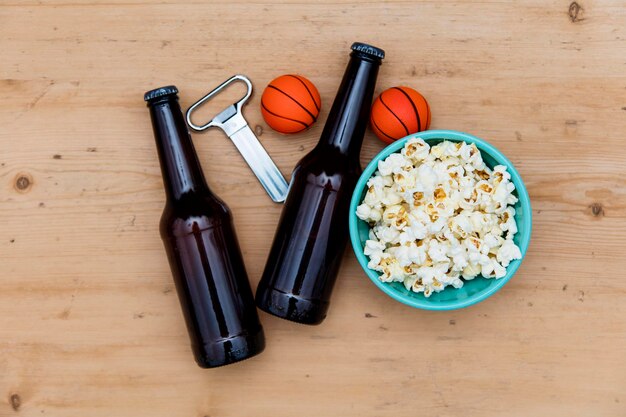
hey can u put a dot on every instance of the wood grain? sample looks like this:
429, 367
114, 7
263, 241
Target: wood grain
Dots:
89, 320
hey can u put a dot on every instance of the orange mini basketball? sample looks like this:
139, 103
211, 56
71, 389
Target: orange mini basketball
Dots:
290, 104
398, 112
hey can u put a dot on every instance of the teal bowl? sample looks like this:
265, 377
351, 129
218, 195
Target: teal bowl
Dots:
473, 291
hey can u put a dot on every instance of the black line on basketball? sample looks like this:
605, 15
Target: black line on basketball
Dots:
395, 115
282, 117
295, 101
307, 89
417, 115
382, 131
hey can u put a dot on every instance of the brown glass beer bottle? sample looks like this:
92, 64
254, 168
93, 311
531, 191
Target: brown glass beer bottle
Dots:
313, 230
202, 249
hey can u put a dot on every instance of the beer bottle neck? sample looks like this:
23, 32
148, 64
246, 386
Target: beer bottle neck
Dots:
182, 173
349, 115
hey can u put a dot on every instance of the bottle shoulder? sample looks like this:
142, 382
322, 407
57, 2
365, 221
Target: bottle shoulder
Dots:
326, 169
328, 160
193, 213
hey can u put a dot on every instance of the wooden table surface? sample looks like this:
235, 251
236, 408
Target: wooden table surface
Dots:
90, 324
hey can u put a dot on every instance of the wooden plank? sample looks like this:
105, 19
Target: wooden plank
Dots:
89, 320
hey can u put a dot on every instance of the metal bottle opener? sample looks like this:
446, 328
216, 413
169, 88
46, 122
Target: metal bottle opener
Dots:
232, 122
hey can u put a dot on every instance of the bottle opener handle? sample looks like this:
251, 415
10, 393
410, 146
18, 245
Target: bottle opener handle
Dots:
232, 122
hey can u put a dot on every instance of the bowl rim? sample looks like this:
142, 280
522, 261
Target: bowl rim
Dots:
453, 135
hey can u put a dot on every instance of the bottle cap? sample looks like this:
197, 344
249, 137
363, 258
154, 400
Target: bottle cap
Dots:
369, 50
160, 92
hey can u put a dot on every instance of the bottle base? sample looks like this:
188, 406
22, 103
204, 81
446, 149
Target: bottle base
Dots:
229, 350
291, 307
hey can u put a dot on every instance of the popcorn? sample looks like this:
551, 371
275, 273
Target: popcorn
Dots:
393, 164
445, 148
471, 271
459, 257
404, 180
388, 234
437, 251
373, 196
408, 255
416, 231
500, 174
427, 177
374, 250
393, 272
395, 216
508, 252
416, 150
391, 198
492, 243
363, 212
461, 225
439, 216
492, 269
507, 223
